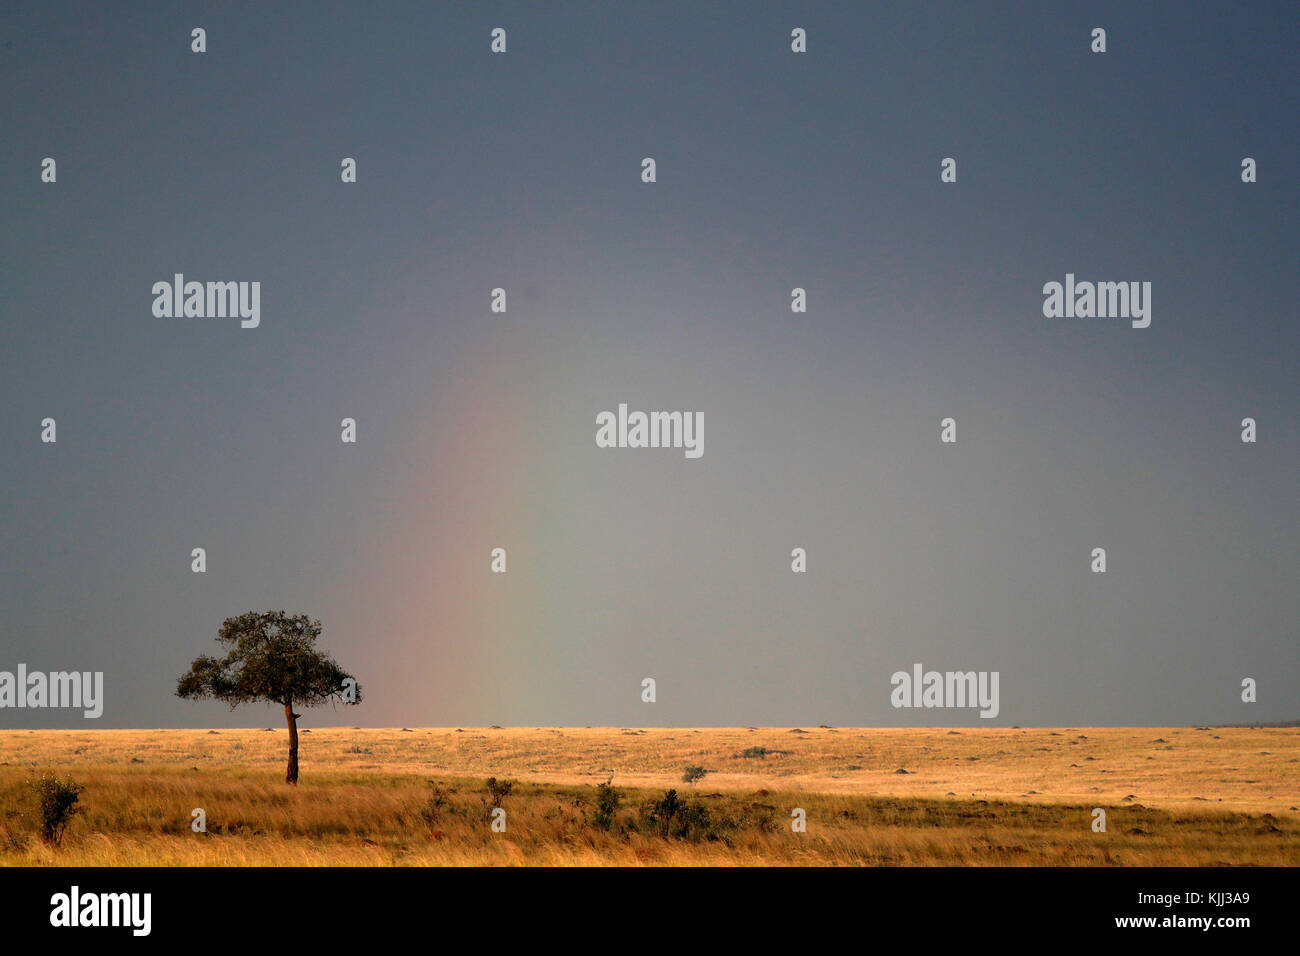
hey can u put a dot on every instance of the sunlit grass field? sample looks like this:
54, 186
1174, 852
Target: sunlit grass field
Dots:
1173, 796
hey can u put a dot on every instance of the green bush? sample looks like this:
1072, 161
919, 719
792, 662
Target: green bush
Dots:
693, 775
673, 817
434, 805
56, 803
607, 800
499, 789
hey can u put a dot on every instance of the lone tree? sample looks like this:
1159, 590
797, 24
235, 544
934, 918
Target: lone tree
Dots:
270, 657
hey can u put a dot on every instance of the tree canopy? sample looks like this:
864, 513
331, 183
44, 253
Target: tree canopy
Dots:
269, 657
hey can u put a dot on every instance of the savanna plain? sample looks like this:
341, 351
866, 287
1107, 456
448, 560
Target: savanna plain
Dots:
1178, 796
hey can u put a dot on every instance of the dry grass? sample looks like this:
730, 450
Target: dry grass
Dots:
1174, 796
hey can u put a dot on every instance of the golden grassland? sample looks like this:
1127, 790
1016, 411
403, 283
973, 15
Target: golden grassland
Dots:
1173, 796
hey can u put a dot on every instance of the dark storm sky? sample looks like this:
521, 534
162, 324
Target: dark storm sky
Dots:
476, 430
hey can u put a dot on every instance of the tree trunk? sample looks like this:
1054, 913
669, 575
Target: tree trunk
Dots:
291, 775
